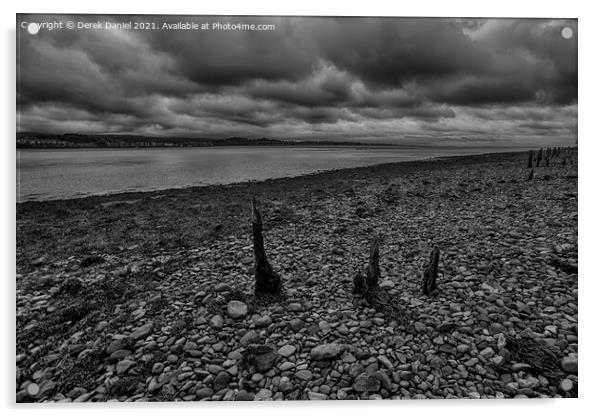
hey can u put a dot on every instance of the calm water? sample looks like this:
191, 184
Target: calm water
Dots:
58, 174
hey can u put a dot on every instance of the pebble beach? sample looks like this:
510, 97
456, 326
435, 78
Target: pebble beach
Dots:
149, 296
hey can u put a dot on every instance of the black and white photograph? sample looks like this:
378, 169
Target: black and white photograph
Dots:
295, 208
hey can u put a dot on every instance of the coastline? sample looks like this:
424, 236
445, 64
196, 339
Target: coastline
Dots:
96, 270
187, 187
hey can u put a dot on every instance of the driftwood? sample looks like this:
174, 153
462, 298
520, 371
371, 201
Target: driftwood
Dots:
367, 285
266, 280
429, 280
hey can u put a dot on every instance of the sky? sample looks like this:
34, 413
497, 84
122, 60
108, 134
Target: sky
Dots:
415, 81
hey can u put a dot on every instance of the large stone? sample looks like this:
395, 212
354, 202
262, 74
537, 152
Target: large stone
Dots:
462, 348
316, 396
221, 381
285, 385
566, 385
287, 350
237, 309
420, 327
384, 361
341, 395
296, 324
446, 348
327, 351
142, 332
250, 337
157, 368
295, 307
119, 355
355, 370
304, 375
33, 389
286, 366
385, 381
233, 370
263, 321
244, 396
365, 383
387, 284
214, 369
487, 352
124, 365
261, 356
264, 394
46, 389
497, 360
118, 344
222, 287
496, 328
569, 364
230, 395
204, 392
517, 367
217, 321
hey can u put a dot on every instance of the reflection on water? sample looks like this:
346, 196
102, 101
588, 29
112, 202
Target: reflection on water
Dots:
70, 173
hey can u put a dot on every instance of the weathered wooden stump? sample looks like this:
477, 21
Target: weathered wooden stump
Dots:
530, 160
359, 285
367, 285
429, 280
539, 157
266, 280
373, 273
531, 174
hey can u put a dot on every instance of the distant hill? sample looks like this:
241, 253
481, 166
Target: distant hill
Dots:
74, 140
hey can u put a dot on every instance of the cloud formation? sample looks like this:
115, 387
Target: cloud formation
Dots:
419, 80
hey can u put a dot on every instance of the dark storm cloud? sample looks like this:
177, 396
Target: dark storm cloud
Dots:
232, 57
391, 51
349, 78
326, 86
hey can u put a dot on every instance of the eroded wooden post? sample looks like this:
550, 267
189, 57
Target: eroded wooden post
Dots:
367, 285
429, 281
539, 157
359, 284
266, 280
531, 174
373, 273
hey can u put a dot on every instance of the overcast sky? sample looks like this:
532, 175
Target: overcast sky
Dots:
417, 81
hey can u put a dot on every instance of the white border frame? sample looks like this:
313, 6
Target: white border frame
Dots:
589, 278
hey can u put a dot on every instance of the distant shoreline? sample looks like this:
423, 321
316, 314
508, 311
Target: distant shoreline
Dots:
29, 140
283, 145
287, 145
32, 140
